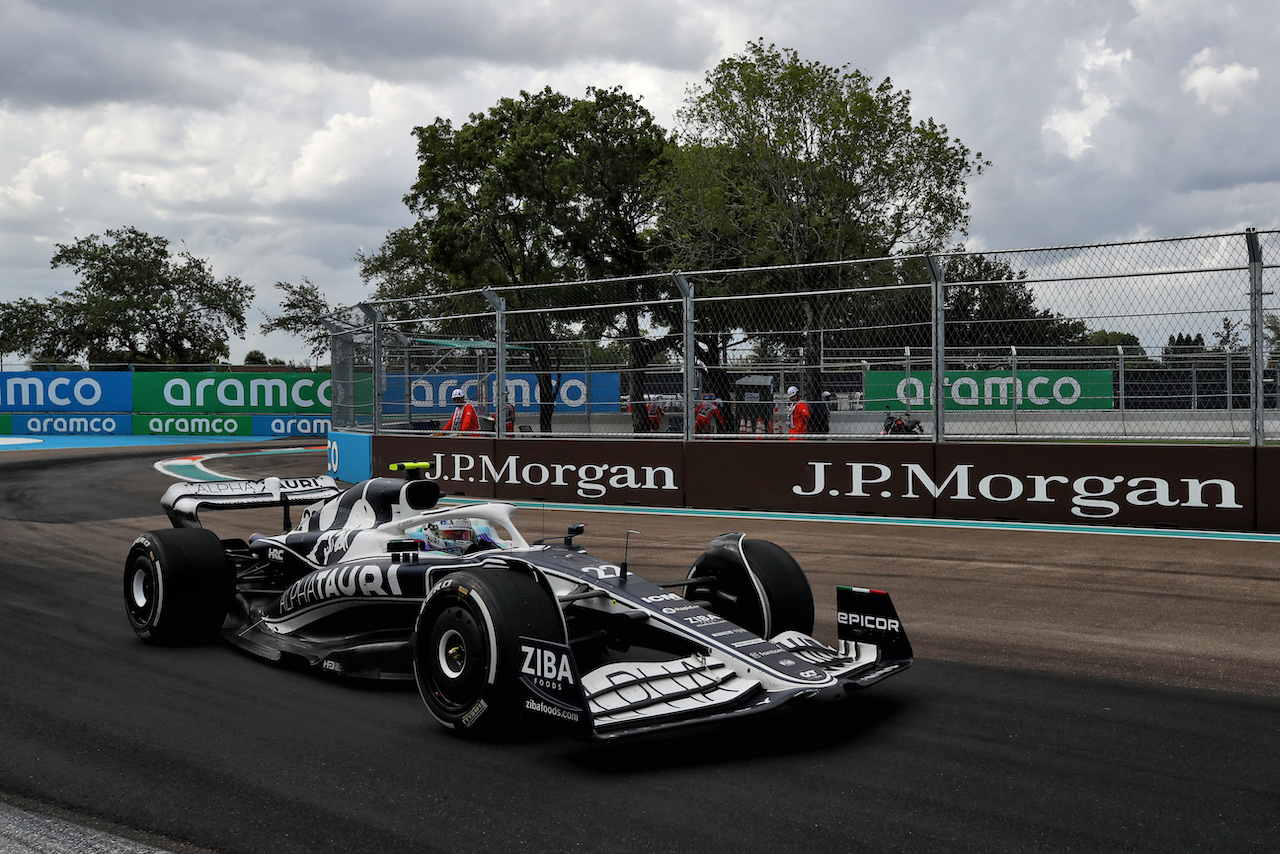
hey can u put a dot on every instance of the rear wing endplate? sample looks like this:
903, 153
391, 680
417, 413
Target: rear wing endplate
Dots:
183, 502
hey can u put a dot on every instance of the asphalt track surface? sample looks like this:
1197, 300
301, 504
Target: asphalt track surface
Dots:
1071, 692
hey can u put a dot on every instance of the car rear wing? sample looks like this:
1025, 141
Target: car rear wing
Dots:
183, 502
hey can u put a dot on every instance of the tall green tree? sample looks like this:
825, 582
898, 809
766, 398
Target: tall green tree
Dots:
136, 302
784, 161
539, 189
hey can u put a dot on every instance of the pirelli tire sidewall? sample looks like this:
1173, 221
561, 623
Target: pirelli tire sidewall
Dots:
178, 585
466, 646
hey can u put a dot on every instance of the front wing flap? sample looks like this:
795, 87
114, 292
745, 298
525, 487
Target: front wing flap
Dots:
631, 697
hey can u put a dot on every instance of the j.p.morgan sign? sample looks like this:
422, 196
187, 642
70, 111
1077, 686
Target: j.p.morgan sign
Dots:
1211, 487
1188, 487
1090, 496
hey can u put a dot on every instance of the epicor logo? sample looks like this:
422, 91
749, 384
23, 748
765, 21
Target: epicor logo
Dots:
868, 621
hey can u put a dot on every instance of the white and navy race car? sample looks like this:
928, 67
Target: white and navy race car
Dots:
378, 581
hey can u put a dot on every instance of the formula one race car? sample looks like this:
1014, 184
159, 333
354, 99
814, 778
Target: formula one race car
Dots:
376, 581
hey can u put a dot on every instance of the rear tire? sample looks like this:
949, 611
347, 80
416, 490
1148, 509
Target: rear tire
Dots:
768, 594
466, 646
178, 585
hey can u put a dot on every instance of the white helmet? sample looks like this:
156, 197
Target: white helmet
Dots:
461, 536
453, 536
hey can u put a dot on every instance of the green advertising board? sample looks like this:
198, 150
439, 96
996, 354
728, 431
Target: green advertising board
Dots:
195, 424
6, 425
969, 390
243, 393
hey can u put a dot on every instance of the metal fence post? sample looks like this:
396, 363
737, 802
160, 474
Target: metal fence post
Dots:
938, 280
1257, 347
500, 393
379, 370
1013, 372
906, 370
690, 355
1124, 428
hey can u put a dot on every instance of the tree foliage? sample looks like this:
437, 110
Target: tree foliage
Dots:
989, 304
300, 306
788, 162
539, 189
778, 162
784, 161
136, 302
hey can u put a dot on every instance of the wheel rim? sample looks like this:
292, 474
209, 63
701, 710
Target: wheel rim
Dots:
458, 660
451, 654
141, 592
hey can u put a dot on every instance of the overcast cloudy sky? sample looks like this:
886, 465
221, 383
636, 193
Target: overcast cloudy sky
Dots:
273, 138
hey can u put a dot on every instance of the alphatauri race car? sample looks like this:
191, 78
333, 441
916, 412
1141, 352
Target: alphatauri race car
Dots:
378, 581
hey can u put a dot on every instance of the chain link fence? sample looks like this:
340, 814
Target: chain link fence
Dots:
1152, 340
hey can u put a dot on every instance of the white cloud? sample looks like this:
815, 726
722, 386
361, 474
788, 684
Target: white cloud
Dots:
23, 191
1099, 69
1217, 87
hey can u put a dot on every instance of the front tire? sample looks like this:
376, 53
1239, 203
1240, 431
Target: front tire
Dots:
178, 585
757, 585
466, 646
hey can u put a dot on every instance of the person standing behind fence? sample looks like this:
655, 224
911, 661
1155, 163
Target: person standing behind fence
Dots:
798, 422
464, 418
708, 418
655, 414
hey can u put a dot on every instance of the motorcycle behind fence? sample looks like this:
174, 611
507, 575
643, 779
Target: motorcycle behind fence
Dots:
900, 425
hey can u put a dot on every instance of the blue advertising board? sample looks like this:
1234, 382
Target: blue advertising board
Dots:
291, 425
57, 391
350, 456
71, 424
430, 394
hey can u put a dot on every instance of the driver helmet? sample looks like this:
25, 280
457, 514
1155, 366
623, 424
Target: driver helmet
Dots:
460, 536
452, 536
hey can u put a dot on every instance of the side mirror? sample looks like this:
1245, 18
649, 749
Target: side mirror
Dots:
574, 530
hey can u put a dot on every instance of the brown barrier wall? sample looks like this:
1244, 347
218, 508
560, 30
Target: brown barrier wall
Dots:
1192, 486
817, 477
1267, 490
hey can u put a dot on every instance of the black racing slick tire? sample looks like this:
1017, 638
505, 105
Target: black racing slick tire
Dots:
755, 584
178, 585
466, 646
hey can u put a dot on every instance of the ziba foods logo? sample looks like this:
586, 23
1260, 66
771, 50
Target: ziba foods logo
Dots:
1093, 496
